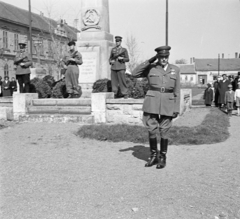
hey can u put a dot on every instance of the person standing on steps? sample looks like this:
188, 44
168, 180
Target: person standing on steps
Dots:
118, 57
23, 63
162, 101
72, 59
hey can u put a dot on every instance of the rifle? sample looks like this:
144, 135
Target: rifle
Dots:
117, 55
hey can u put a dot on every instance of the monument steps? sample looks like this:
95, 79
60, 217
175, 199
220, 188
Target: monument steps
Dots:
57, 118
76, 110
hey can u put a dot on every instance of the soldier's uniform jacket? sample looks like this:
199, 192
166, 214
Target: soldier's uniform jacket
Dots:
156, 100
76, 55
22, 57
119, 64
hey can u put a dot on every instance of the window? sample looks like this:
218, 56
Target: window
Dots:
6, 72
191, 78
16, 42
186, 78
5, 39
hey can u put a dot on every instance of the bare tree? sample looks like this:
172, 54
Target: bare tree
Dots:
132, 47
181, 61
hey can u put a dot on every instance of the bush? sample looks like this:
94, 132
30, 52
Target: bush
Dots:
50, 80
102, 85
137, 88
41, 87
59, 90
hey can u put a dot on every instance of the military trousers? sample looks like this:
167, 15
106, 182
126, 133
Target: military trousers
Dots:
118, 77
24, 83
71, 79
157, 123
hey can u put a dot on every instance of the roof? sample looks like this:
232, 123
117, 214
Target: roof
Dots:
187, 69
20, 16
212, 64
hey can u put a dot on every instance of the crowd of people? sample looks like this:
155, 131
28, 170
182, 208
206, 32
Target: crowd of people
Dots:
7, 87
224, 93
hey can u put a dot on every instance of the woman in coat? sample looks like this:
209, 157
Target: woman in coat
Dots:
6, 89
208, 95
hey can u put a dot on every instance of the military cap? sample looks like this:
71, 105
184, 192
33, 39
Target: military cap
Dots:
71, 43
229, 85
118, 38
163, 50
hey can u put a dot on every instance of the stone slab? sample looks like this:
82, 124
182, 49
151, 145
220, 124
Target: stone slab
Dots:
125, 101
62, 102
81, 119
59, 110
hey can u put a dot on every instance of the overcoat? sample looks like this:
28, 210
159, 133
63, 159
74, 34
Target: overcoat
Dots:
119, 64
156, 100
222, 88
208, 96
6, 91
22, 58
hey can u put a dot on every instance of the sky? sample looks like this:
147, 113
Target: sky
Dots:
196, 28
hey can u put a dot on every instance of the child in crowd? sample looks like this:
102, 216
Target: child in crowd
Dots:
208, 95
229, 99
237, 98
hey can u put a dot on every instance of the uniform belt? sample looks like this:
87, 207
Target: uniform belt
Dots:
162, 89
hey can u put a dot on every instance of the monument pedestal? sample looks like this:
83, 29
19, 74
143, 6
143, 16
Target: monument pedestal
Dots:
94, 43
95, 65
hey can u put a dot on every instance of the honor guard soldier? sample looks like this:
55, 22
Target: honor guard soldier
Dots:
118, 57
72, 60
161, 103
23, 63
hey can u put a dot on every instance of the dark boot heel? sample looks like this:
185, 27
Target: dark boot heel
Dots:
163, 151
153, 149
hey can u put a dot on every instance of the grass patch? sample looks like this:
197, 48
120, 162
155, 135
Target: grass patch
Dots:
2, 126
213, 129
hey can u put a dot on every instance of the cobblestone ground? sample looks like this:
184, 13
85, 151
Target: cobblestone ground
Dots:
48, 172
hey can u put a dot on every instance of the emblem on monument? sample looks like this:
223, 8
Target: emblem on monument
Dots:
91, 19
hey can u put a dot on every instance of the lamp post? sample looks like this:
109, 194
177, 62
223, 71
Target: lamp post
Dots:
166, 22
30, 28
218, 64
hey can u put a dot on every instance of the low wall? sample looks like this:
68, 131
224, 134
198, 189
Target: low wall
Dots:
108, 110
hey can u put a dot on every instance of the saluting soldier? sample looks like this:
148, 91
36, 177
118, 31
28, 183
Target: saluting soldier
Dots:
162, 101
118, 57
72, 60
23, 62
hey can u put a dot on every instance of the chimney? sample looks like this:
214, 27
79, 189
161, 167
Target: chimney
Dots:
236, 55
222, 55
41, 14
193, 59
190, 60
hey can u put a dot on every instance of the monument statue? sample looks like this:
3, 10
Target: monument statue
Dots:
94, 43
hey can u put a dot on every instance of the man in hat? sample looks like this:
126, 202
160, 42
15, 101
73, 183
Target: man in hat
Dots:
23, 63
222, 88
118, 57
72, 59
162, 101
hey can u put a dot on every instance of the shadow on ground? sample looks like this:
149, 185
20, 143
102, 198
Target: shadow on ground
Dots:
139, 151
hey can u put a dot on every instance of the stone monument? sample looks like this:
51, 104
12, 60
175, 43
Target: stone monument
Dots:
94, 43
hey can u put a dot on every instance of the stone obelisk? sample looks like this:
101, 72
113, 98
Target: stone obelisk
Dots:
94, 43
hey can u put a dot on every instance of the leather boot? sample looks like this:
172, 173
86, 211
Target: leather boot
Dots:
153, 149
163, 151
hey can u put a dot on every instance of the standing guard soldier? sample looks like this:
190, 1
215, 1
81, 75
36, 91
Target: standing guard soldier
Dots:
23, 62
162, 101
72, 60
118, 57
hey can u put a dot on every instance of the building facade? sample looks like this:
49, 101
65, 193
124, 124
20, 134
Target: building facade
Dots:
49, 40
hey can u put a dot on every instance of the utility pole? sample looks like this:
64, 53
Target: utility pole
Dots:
166, 22
30, 27
218, 63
